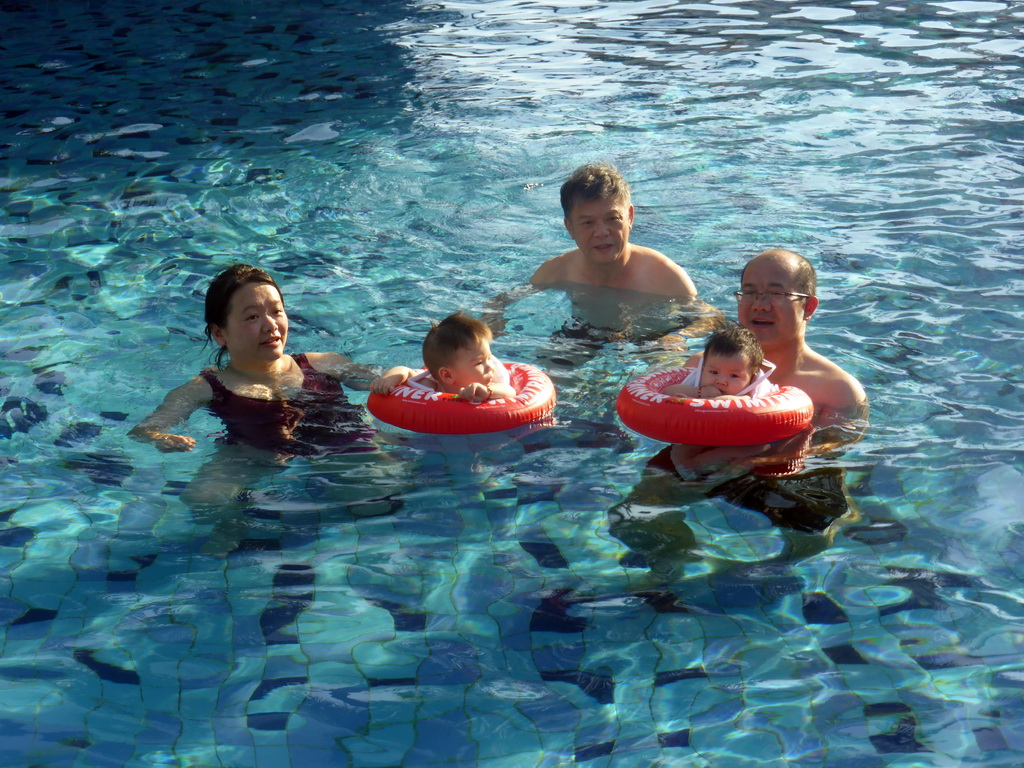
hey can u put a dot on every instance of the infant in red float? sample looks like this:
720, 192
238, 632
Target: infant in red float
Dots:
461, 372
726, 400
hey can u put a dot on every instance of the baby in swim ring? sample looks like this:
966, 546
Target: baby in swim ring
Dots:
732, 366
458, 359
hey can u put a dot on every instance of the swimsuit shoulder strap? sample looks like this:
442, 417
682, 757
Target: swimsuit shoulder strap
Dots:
219, 390
314, 380
424, 381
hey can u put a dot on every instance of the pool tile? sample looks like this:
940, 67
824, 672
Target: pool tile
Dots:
599, 686
844, 654
382, 746
554, 714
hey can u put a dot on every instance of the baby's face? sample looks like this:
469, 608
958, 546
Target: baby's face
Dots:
471, 365
729, 373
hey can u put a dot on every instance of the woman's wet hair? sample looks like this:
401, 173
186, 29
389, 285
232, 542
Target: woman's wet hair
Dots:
593, 182
446, 338
220, 292
735, 340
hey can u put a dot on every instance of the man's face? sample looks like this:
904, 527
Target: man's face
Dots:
601, 229
777, 320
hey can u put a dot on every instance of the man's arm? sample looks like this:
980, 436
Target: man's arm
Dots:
841, 404
838, 427
696, 319
835, 425
494, 309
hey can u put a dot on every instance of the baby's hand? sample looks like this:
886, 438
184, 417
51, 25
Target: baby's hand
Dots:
680, 390
165, 442
709, 392
391, 379
475, 393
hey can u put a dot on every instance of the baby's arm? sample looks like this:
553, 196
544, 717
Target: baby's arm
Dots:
707, 392
681, 390
391, 379
685, 390
175, 409
500, 391
479, 393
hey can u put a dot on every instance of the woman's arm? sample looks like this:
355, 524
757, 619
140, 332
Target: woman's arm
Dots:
177, 406
349, 373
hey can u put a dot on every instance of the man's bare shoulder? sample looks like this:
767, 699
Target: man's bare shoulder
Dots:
559, 269
645, 253
654, 272
832, 387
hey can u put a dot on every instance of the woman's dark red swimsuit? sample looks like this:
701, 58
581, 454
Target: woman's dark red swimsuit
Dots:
318, 420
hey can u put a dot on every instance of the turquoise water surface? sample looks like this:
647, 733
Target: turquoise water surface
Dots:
533, 598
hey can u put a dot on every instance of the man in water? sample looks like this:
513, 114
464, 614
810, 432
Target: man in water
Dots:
599, 217
618, 289
776, 300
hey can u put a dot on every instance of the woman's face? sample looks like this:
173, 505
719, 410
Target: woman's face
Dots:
255, 327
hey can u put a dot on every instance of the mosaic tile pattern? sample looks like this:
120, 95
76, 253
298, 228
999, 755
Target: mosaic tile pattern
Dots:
490, 622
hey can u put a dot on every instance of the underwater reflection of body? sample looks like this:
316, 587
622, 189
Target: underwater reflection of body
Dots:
807, 508
610, 333
246, 495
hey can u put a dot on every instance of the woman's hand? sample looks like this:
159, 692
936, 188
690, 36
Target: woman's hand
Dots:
166, 442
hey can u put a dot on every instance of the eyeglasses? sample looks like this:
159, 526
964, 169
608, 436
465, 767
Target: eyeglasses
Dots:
770, 297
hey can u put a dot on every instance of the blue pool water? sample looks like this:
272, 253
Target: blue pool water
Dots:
530, 599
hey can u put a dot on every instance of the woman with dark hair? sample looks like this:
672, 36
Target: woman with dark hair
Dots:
267, 399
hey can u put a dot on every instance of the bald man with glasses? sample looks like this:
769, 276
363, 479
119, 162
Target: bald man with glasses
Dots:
775, 302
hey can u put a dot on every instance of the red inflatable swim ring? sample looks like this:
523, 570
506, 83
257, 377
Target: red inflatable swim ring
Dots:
439, 413
696, 421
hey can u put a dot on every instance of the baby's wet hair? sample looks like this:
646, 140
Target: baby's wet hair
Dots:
735, 340
446, 338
